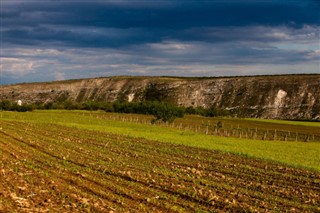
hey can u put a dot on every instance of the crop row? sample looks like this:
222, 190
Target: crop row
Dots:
59, 168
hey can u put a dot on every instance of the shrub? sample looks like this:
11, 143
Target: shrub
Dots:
166, 112
11, 106
5, 105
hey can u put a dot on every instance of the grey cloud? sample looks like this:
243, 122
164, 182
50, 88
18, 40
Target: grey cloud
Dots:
121, 23
75, 39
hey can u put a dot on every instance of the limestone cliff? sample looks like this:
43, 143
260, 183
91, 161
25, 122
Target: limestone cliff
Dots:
281, 96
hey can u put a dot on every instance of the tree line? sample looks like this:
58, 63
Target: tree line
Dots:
14, 106
162, 111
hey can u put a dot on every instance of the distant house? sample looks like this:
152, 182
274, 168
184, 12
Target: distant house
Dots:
19, 102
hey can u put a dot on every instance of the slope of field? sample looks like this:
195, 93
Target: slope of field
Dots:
299, 154
48, 166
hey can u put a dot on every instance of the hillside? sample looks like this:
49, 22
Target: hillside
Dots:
274, 97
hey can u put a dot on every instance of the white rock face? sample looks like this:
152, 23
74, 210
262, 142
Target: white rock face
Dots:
279, 100
130, 97
273, 97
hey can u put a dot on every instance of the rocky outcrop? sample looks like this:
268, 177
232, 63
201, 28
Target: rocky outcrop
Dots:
280, 97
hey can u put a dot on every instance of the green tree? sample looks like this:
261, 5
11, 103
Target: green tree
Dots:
166, 112
5, 105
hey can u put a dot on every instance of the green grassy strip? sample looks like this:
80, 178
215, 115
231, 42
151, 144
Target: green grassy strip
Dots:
297, 123
299, 154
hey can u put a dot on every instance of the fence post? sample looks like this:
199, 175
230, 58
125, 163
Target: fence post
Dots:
264, 136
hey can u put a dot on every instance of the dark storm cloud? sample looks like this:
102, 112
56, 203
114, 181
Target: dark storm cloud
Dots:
79, 36
166, 14
52, 39
35, 22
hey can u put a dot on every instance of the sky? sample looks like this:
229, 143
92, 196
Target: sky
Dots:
46, 40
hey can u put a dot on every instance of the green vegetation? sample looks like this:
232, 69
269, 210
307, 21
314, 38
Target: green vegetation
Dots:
210, 112
298, 123
165, 112
93, 161
162, 111
298, 154
13, 106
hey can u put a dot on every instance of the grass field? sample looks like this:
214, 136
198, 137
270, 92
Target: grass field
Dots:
80, 161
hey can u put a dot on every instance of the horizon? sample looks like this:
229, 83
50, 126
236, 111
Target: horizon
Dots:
165, 76
43, 41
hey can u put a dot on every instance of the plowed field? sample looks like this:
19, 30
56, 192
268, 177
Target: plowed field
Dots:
54, 168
